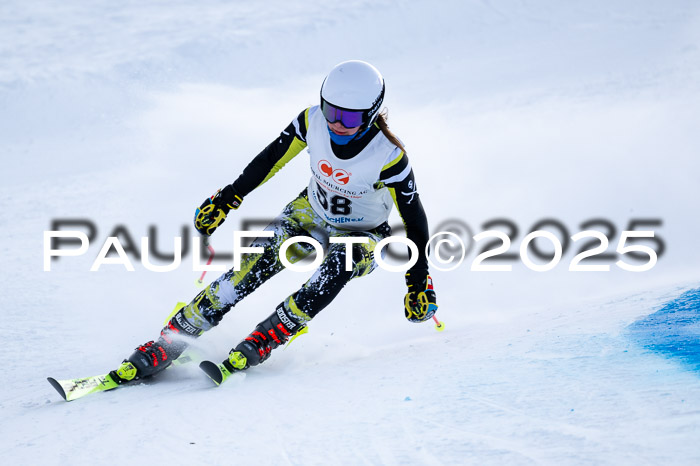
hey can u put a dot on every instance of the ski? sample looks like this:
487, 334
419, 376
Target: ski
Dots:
73, 389
218, 373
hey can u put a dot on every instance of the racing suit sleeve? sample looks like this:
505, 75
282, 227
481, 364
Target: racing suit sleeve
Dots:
397, 176
272, 158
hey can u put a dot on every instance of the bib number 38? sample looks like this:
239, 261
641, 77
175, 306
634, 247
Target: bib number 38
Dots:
338, 205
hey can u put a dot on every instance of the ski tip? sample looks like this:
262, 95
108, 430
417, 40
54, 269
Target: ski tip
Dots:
54, 383
213, 371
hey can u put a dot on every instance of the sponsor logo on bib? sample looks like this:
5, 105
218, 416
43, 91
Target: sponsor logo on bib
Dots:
340, 176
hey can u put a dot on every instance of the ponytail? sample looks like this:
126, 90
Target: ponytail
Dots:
384, 126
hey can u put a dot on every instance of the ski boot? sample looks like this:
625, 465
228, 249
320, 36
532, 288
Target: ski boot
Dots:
272, 332
269, 334
154, 356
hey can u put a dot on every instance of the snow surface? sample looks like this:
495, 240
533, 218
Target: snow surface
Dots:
131, 113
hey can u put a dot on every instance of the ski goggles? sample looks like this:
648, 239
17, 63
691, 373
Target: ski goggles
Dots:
348, 118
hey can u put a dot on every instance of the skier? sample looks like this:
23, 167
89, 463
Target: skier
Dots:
358, 169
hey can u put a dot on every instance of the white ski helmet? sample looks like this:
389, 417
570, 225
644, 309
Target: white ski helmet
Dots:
352, 93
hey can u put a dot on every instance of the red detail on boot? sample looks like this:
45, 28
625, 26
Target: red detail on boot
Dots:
283, 329
258, 334
274, 336
166, 337
144, 348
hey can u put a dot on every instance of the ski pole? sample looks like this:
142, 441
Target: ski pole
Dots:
200, 282
439, 326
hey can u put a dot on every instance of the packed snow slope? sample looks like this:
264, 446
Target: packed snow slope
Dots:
127, 115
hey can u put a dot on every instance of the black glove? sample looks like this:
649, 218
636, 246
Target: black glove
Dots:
214, 209
420, 301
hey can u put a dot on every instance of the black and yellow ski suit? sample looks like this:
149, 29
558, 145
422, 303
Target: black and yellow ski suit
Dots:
298, 218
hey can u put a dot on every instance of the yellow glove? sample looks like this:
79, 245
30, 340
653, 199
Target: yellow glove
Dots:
420, 302
214, 209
